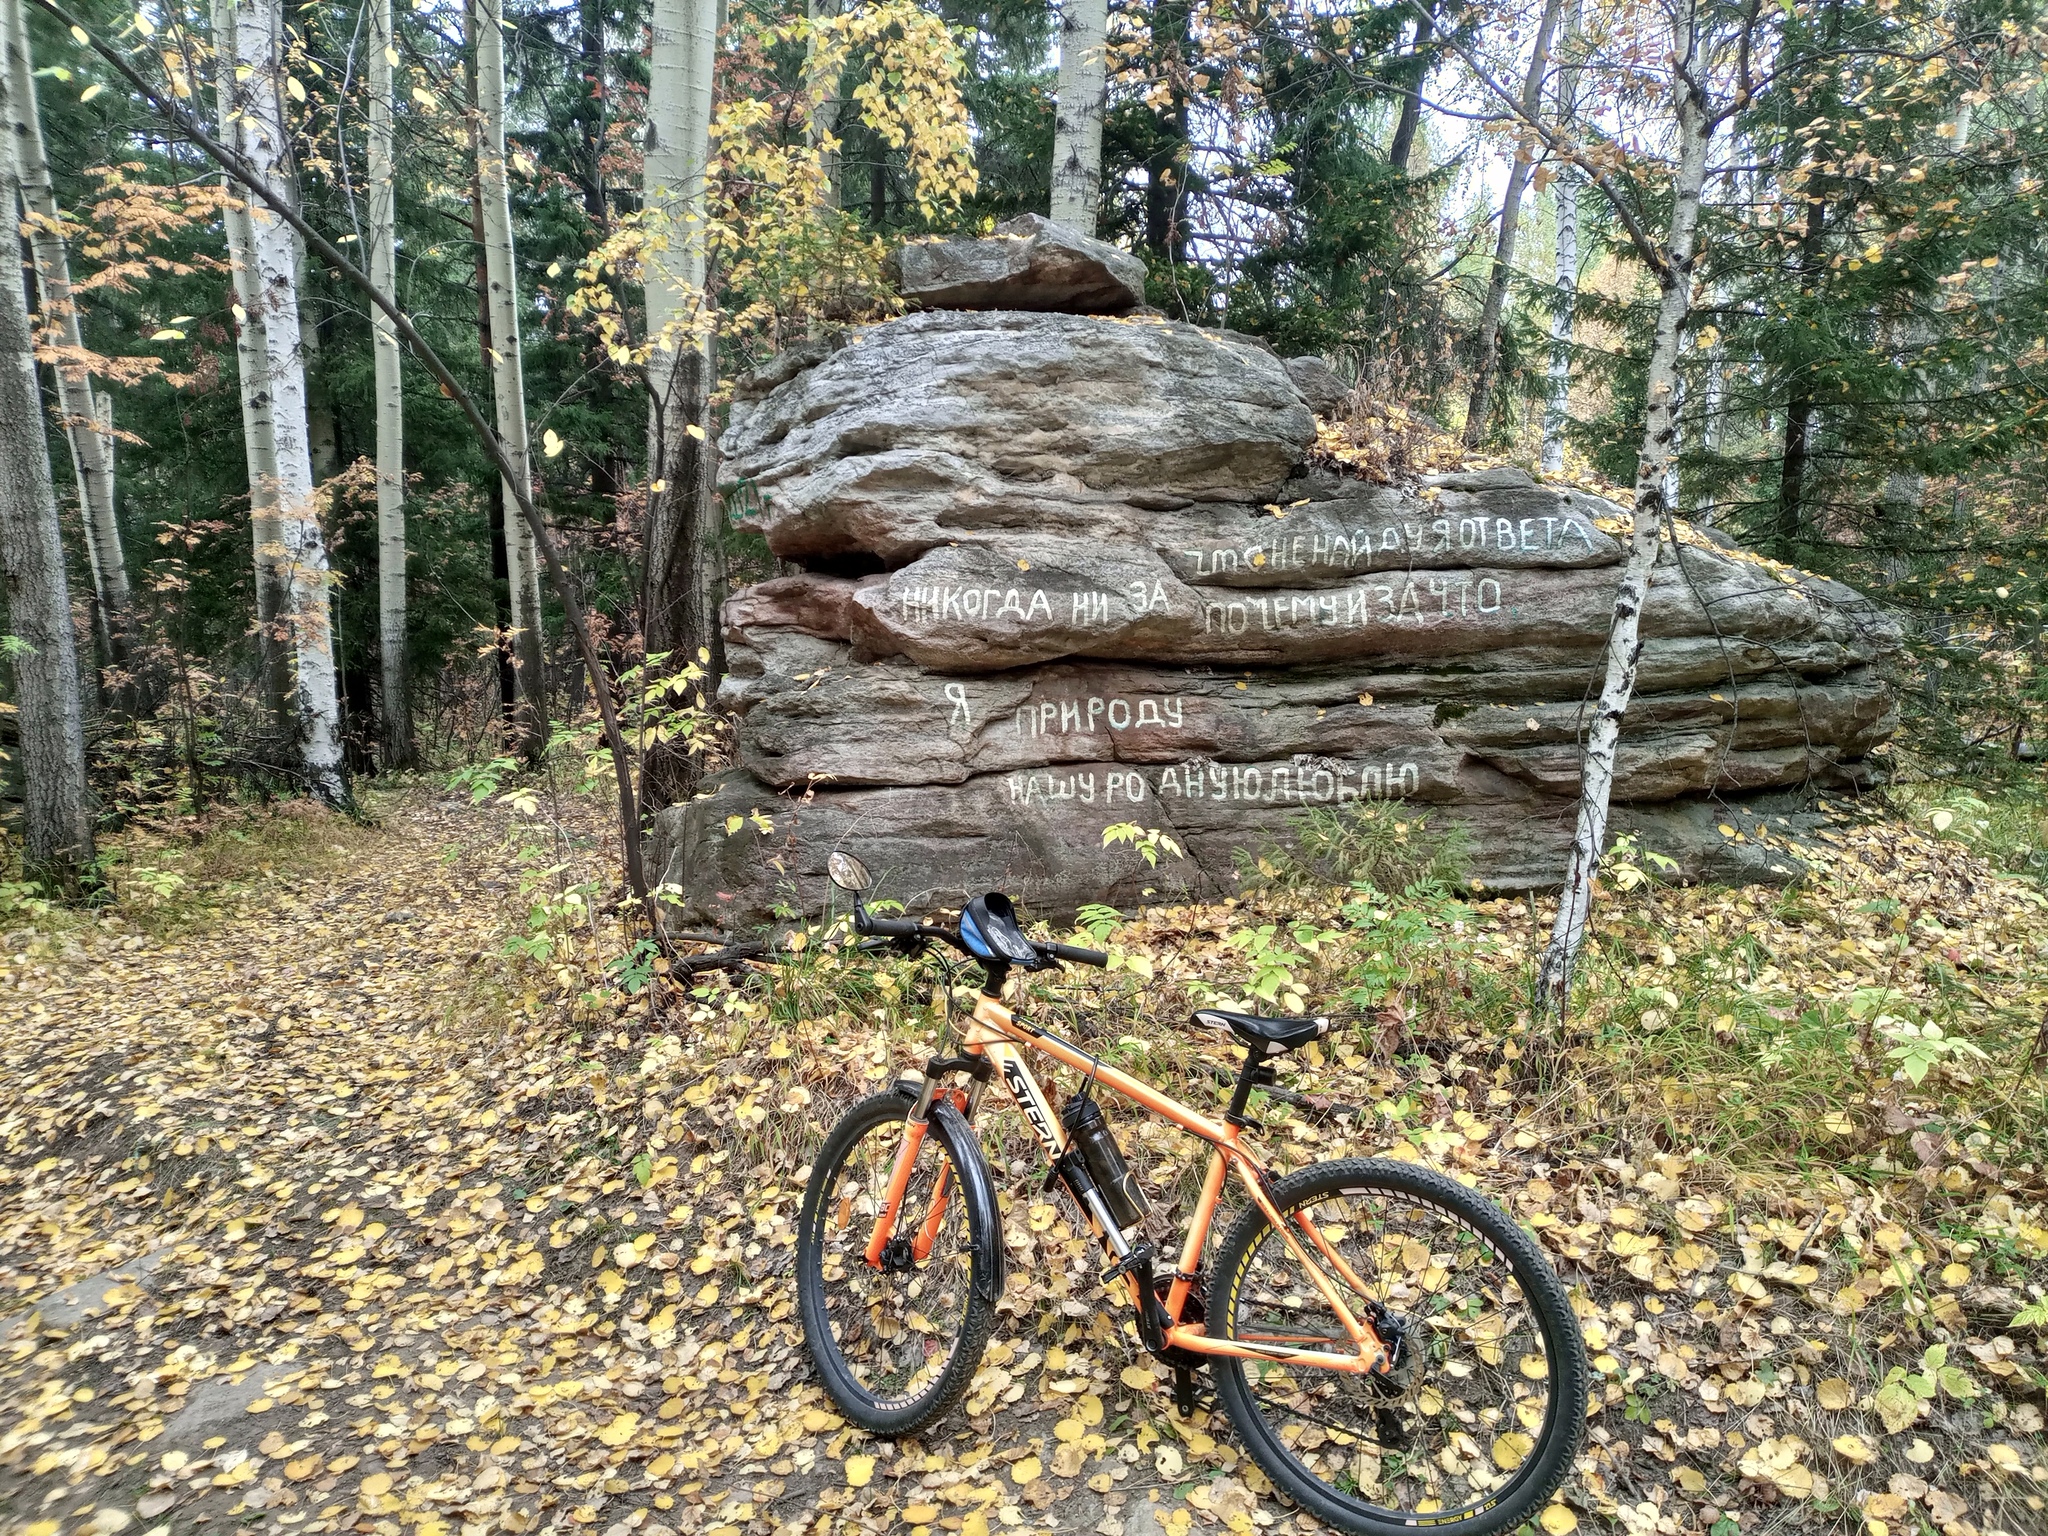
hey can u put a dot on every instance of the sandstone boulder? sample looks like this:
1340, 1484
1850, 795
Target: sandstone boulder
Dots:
1030, 263
1057, 572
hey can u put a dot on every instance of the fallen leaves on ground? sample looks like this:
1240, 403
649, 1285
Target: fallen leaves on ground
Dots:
361, 1248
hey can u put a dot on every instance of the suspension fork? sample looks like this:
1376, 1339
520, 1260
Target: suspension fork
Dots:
914, 1131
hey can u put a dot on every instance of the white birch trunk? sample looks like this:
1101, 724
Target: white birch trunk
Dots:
1653, 463
507, 374
259, 445
1077, 124
303, 613
92, 450
57, 815
1557, 406
822, 130
396, 702
1479, 406
683, 571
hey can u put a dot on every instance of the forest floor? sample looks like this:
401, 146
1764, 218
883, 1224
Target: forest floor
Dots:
320, 1212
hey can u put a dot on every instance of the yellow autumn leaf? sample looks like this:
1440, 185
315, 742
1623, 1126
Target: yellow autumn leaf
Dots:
1138, 1377
1512, 1449
620, 1430
1558, 1520
377, 1484
1855, 1448
860, 1471
1026, 1471
293, 89
1834, 1394
550, 444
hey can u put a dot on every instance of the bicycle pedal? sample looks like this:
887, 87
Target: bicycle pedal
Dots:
1138, 1258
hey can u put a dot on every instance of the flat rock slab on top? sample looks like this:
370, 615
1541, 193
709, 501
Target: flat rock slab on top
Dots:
1030, 263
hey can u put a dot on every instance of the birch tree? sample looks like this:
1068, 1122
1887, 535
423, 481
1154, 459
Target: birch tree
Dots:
395, 714
85, 417
57, 818
508, 378
1479, 405
256, 88
1077, 125
1558, 391
259, 446
1702, 44
680, 589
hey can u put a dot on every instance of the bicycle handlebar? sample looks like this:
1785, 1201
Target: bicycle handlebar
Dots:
867, 923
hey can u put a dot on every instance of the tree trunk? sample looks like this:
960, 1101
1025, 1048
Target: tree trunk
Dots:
57, 820
396, 701
822, 129
1624, 642
591, 110
92, 449
1401, 151
507, 373
303, 612
258, 440
1558, 397
1077, 125
1799, 423
1477, 407
680, 585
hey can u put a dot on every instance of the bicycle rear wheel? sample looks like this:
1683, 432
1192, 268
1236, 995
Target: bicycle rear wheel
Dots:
896, 1343
1479, 1421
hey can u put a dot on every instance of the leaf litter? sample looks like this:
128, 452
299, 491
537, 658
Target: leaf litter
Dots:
324, 1214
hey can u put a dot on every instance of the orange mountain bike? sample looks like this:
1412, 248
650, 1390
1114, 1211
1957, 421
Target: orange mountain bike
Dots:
1391, 1348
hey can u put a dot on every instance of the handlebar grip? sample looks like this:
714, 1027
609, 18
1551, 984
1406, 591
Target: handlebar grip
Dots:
886, 927
1074, 953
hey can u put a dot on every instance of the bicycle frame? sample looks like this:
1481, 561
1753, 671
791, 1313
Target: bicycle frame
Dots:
996, 1036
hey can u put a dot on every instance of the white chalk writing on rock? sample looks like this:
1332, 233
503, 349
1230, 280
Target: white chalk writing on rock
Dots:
1362, 549
1321, 782
925, 604
1093, 714
1418, 604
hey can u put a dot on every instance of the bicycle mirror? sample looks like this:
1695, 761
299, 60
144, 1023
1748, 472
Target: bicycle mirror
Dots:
848, 873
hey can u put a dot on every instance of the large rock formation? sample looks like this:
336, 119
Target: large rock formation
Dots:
1064, 571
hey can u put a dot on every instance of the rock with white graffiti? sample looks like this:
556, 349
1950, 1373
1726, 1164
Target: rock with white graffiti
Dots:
1057, 572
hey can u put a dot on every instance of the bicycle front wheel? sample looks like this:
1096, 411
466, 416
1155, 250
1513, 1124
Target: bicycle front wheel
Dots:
898, 1340
1477, 1423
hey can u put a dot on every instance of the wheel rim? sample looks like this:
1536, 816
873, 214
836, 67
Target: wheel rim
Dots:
1465, 1414
895, 1328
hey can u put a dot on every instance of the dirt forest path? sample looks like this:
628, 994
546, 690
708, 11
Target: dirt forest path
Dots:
319, 1215
289, 1243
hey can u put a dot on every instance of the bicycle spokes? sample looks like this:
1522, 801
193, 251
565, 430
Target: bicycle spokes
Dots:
1464, 1390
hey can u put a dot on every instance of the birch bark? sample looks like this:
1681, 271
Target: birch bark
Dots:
303, 616
1653, 462
680, 585
396, 703
508, 376
92, 449
1478, 406
1077, 125
57, 817
259, 445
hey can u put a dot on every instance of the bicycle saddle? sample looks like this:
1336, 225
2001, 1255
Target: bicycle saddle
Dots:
1273, 1037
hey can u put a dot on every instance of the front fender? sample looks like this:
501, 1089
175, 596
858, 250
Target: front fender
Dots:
978, 1188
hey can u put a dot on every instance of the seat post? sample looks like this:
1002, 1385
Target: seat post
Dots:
1247, 1079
